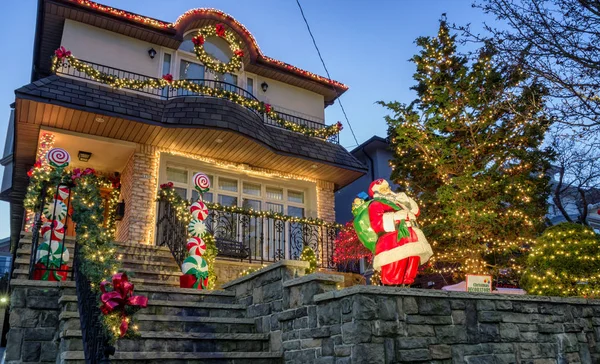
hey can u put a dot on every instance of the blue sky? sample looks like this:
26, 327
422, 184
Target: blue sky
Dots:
365, 44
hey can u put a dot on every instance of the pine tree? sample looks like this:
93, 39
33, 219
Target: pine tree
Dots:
468, 148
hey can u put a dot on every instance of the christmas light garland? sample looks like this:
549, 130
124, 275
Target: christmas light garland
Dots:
64, 58
234, 64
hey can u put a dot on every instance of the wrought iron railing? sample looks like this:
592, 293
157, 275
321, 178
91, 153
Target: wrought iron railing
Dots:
169, 93
246, 237
304, 122
96, 345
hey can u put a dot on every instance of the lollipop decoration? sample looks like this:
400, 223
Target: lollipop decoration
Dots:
199, 210
196, 246
201, 182
58, 158
52, 255
195, 267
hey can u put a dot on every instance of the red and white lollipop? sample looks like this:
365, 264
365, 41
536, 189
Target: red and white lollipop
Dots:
55, 235
199, 210
58, 157
196, 246
201, 182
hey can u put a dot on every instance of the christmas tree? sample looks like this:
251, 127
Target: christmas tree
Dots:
468, 149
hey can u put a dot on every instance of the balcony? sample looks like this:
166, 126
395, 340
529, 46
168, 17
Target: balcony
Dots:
168, 93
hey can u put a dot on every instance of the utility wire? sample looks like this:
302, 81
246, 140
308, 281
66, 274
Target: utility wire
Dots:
326, 70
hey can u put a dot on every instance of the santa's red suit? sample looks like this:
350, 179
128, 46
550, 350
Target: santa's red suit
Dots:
397, 255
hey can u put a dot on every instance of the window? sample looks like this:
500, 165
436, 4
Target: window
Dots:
215, 46
250, 85
190, 70
238, 192
166, 69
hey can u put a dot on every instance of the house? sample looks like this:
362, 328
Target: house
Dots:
375, 154
144, 101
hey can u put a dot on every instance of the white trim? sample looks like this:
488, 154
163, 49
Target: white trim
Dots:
420, 248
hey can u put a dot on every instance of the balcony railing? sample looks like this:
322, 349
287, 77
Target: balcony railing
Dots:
168, 92
249, 238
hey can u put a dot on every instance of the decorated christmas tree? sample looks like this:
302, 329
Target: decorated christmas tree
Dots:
468, 149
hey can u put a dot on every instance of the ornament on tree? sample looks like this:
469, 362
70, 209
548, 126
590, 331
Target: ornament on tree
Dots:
199, 210
58, 158
196, 228
386, 225
202, 182
195, 273
55, 210
196, 246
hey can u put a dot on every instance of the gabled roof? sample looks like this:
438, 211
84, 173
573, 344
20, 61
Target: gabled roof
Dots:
52, 13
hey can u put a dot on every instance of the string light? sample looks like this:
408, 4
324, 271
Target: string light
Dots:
308, 255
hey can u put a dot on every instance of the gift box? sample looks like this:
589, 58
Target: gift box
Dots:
43, 273
190, 281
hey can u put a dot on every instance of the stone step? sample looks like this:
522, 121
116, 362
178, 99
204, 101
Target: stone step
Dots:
182, 324
128, 264
161, 341
77, 357
175, 308
127, 249
148, 279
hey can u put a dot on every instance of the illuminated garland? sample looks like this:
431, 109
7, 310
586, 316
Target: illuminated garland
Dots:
39, 171
96, 249
234, 64
63, 58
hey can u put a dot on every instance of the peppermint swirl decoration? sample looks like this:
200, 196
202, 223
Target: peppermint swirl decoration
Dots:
201, 182
58, 157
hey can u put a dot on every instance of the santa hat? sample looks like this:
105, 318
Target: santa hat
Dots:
377, 185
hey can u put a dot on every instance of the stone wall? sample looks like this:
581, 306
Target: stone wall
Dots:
34, 321
139, 192
227, 271
312, 320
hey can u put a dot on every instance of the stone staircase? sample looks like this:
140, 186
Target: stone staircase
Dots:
178, 326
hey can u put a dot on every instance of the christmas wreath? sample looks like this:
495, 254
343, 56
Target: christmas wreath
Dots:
209, 61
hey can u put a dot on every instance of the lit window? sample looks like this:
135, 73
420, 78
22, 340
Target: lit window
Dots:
177, 175
295, 196
274, 193
251, 189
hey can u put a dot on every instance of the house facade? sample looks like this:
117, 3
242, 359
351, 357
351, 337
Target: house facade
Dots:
274, 161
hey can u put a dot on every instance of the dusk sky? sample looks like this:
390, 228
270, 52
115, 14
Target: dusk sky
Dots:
365, 44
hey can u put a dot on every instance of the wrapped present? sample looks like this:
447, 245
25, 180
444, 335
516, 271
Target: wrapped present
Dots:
190, 281
42, 272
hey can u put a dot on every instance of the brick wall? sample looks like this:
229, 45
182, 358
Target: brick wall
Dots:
138, 189
325, 201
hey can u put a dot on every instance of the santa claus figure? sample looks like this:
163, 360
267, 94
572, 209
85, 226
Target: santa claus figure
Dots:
401, 246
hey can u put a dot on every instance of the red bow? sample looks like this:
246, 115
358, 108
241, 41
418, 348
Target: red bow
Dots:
168, 77
78, 173
339, 126
119, 298
267, 108
38, 164
62, 52
30, 173
199, 40
239, 52
220, 30
167, 185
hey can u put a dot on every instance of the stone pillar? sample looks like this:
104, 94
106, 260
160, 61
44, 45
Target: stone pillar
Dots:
325, 201
33, 334
138, 189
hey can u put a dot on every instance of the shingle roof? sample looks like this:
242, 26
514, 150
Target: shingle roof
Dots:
203, 112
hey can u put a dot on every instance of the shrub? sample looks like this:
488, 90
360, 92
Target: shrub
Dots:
564, 261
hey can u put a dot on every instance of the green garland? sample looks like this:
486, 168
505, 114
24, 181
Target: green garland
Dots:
182, 205
96, 249
210, 62
182, 212
167, 81
308, 255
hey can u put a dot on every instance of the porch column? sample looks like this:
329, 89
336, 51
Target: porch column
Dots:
325, 201
138, 189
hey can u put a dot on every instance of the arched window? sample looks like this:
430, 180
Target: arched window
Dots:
215, 46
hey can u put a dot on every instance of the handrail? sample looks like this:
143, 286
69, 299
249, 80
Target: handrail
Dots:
169, 92
248, 236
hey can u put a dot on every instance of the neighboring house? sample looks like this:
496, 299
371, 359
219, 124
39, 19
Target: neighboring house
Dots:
375, 154
152, 136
